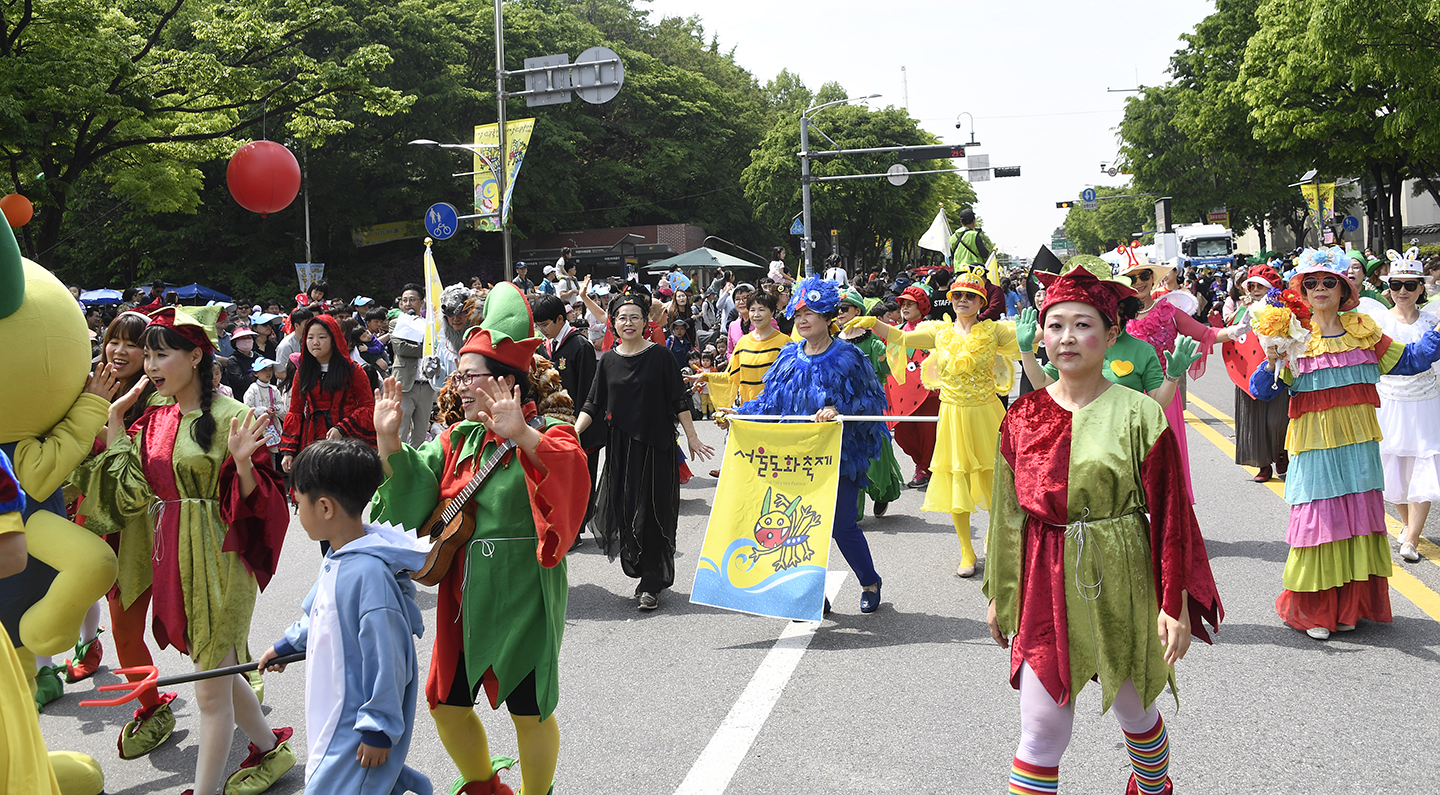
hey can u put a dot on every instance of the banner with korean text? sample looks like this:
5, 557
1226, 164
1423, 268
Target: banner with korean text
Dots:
768, 541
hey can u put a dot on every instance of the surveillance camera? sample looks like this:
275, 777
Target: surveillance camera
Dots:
957, 125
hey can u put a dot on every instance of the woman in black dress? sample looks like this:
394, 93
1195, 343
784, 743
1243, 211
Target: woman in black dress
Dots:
639, 392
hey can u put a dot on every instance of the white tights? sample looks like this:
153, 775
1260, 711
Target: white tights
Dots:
1045, 726
225, 703
91, 626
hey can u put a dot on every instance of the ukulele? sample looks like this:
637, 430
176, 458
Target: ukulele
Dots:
450, 527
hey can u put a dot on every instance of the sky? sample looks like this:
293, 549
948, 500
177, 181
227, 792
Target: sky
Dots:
1034, 74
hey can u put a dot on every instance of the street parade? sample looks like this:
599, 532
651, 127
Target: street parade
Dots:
280, 526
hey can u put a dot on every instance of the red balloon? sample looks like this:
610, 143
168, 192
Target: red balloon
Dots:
263, 176
17, 209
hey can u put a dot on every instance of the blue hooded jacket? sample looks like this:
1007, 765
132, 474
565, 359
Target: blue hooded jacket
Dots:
361, 676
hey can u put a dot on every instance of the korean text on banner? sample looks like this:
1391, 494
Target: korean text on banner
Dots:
487, 184
768, 540
433, 316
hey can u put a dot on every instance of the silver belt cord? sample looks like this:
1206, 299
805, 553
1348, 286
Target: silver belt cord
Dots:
157, 510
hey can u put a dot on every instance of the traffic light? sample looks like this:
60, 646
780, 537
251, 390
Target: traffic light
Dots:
1064, 205
1007, 171
930, 152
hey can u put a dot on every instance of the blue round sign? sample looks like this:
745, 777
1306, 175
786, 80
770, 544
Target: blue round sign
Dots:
442, 220
1351, 223
1087, 195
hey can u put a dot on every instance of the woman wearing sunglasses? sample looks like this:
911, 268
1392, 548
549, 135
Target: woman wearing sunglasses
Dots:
1165, 315
1339, 562
1409, 404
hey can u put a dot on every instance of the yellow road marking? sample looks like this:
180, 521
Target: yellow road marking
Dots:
1402, 581
1212, 411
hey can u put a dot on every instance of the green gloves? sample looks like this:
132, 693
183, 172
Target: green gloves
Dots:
1027, 328
1179, 360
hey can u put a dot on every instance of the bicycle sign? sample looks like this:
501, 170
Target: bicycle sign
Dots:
442, 220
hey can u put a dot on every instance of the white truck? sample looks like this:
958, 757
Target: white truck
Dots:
1205, 246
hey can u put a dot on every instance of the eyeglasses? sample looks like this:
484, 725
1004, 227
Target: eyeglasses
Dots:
1407, 285
1329, 283
1142, 275
465, 379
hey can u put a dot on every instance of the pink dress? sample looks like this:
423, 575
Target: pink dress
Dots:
1159, 327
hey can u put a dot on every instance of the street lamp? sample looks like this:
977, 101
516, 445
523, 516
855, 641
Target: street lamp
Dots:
805, 172
495, 168
973, 142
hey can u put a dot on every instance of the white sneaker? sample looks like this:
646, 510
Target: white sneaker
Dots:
1407, 551
1318, 633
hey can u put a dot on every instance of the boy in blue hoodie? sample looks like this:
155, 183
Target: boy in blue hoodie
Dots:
361, 678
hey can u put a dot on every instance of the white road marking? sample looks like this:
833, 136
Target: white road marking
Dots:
711, 773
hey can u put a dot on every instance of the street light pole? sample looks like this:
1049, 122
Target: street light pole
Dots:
503, 167
805, 240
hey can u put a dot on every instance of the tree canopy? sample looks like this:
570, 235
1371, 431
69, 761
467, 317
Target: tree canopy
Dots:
117, 119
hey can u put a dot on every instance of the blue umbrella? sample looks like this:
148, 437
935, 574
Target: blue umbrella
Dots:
191, 292
91, 297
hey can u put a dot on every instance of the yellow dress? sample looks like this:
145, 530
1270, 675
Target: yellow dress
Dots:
968, 369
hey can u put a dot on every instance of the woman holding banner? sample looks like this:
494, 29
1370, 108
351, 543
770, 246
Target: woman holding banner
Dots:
826, 377
1081, 585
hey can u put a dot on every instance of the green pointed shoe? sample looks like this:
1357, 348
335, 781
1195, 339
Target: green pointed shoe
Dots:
151, 727
48, 685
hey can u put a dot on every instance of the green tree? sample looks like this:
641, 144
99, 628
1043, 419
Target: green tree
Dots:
140, 93
1352, 94
1193, 140
1114, 221
866, 211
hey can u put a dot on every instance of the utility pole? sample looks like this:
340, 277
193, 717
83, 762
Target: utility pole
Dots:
503, 162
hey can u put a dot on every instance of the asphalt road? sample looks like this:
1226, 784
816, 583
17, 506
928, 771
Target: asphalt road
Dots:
913, 698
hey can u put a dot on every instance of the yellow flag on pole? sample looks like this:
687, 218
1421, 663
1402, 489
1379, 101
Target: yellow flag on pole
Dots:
433, 316
768, 541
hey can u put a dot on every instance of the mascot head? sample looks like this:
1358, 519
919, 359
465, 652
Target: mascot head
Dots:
44, 352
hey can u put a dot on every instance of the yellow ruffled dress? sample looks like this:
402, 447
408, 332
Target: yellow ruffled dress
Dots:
969, 370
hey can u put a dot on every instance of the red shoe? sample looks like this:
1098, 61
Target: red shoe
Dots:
89, 654
490, 786
1134, 789
1263, 476
1283, 464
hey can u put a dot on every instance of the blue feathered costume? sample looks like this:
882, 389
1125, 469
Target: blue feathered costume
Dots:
839, 377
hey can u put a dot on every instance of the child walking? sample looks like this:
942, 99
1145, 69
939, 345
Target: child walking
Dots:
356, 631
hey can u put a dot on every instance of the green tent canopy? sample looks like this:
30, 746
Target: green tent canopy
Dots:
704, 259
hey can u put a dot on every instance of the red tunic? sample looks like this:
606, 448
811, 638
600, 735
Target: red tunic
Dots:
313, 413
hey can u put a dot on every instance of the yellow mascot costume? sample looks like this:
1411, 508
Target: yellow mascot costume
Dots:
47, 427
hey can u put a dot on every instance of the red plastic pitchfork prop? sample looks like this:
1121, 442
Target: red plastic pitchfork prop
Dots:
153, 682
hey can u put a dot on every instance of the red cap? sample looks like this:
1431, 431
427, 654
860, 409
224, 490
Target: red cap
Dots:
917, 294
1081, 285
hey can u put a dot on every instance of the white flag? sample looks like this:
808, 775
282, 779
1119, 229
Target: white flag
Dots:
937, 237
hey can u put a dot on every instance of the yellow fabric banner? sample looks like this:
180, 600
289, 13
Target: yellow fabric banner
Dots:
487, 184
768, 541
433, 316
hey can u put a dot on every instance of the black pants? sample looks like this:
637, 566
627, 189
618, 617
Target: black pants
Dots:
521, 701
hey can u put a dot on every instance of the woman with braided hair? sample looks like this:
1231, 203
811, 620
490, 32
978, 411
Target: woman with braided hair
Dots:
200, 470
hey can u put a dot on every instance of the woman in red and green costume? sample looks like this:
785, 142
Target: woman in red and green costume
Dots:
1096, 568
501, 609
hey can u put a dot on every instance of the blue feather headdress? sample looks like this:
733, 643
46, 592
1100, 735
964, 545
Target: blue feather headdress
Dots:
816, 294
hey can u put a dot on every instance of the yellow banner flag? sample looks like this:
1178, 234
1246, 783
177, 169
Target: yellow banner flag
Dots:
433, 316
768, 541
487, 184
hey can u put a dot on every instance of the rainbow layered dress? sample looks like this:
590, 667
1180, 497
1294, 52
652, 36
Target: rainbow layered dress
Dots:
1339, 559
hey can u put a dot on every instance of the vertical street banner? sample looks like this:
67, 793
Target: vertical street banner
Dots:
487, 184
308, 273
1321, 200
433, 316
768, 541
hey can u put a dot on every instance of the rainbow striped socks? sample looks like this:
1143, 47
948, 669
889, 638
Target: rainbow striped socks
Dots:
1028, 779
1150, 758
